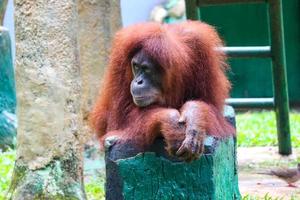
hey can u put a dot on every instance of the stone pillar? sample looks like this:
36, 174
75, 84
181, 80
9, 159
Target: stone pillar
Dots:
48, 80
98, 22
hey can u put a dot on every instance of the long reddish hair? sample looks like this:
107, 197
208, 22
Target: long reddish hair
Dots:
192, 69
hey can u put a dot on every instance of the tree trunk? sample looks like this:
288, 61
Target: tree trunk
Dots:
49, 143
98, 22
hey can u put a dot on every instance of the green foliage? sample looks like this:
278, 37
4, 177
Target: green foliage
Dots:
259, 128
7, 160
265, 197
95, 189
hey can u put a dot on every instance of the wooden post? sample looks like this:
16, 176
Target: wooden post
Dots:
132, 174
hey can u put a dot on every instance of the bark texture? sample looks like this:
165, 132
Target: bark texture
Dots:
49, 143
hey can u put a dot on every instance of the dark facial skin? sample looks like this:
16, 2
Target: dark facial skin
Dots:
145, 87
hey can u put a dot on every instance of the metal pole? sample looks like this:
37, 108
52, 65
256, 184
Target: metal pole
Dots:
251, 102
246, 52
280, 85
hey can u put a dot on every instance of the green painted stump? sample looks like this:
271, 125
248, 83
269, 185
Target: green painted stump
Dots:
153, 175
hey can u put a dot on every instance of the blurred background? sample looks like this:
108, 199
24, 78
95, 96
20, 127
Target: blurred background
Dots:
239, 25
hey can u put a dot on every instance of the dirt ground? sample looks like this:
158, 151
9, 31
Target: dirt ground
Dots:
254, 160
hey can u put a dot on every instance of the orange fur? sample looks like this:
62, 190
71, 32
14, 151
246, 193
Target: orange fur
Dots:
193, 71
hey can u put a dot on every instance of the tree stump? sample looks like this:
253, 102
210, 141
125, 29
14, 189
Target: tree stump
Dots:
133, 174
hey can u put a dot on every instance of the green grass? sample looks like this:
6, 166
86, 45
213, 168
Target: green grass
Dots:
6, 169
94, 188
259, 129
265, 197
